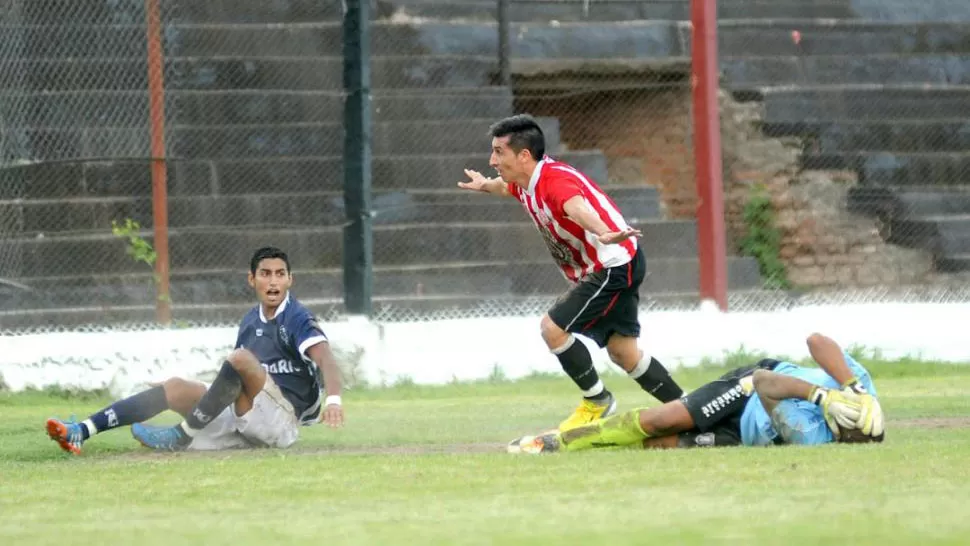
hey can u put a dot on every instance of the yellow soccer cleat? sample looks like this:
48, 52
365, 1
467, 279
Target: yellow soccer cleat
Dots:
589, 411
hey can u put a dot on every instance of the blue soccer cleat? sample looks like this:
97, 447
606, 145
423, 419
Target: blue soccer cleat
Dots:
160, 438
67, 434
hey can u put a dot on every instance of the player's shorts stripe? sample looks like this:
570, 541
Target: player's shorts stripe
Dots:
604, 313
591, 298
309, 416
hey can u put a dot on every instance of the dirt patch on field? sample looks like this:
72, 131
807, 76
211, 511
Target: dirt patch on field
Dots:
932, 422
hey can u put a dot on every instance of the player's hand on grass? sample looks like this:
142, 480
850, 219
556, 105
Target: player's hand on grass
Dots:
333, 415
477, 181
614, 237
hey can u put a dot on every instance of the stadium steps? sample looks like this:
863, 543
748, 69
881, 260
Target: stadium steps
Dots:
430, 286
284, 210
318, 247
232, 176
277, 139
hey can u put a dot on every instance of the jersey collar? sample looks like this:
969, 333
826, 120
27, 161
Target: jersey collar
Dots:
279, 309
535, 176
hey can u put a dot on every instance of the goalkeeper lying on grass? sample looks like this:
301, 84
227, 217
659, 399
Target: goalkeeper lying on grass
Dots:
771, 402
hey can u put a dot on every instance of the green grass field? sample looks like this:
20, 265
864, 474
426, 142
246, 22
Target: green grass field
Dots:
423, 465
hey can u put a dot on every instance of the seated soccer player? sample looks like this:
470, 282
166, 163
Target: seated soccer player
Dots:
267, 388
771, 402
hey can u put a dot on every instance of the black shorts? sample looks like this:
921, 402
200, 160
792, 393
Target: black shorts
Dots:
725, 434
718, 405
604, 303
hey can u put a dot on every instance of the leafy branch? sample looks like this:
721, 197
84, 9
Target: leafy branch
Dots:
762, 239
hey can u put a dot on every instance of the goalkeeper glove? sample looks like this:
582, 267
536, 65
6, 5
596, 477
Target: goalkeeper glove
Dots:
871, 420
855, 386
840, 409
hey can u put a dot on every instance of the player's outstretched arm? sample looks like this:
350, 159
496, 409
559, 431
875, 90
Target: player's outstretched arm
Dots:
478, 182
580, 212
332, 412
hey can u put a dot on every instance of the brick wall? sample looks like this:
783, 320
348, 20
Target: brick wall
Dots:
646, 137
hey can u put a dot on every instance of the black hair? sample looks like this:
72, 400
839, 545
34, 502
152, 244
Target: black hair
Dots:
855, 436
524, 134
268, 253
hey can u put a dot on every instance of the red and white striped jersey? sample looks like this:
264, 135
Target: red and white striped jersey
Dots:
577, 251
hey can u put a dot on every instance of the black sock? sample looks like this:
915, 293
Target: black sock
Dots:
655, 379
223, 392
578, 365
134, 409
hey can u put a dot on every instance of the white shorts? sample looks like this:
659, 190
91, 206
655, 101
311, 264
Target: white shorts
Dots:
270, 423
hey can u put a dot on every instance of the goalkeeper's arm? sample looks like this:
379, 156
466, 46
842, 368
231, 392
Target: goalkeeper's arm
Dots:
827, 353
839, 409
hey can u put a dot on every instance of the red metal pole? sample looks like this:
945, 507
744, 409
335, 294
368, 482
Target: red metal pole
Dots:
156, 104
711, 247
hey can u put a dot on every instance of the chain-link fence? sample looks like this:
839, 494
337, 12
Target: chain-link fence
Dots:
849, 151
243, 102
844, 148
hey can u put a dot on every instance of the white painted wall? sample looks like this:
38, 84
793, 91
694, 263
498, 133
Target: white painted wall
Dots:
440, 351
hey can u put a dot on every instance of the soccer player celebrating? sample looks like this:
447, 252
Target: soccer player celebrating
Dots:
595, 249
771, 402
267, 388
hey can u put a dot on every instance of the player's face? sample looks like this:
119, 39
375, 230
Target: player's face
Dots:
271, 281
504, 160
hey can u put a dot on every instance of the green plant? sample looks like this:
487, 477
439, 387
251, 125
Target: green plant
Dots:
762, 239
138, 248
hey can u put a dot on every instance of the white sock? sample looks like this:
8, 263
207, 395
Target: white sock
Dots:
595, 390
565, 346
189, 431
641, 367
89, 424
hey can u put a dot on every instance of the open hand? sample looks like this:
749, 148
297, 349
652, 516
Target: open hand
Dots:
614, 237
477, 181
333, 415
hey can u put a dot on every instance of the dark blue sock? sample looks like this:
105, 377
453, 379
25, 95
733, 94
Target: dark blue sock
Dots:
134, 409
223, 392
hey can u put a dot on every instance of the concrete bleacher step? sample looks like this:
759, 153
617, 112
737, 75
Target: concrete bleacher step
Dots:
877, 135
276, 210
876, 102
275, 73
326, 139
944, 234
208, 298
306, 11
615, 10
431, 280
953, 263
748, 72
274, 140
126, 12
224, 247
911, 170
120, 109
909, 11
891, 202
244, 176
839, 37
